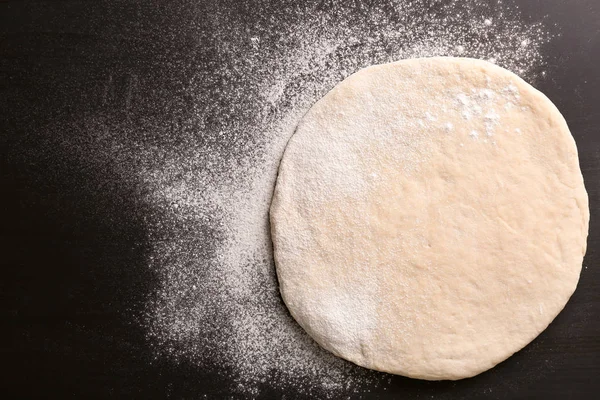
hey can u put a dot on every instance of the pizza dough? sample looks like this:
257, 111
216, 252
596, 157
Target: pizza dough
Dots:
429, 218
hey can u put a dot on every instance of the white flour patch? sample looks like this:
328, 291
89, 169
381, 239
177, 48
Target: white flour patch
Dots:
218, 302
349, 318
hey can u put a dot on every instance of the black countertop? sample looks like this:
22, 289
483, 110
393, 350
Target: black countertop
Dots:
74, 241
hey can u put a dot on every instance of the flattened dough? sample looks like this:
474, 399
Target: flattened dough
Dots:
429, 218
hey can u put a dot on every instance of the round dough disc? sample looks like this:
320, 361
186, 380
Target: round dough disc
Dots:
429, 218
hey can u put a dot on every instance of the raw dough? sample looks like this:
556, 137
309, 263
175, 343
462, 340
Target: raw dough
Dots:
430, 217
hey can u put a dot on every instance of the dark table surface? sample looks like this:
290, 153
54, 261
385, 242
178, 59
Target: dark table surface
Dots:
74, 243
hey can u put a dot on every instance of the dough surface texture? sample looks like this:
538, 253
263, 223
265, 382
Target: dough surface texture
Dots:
429, 217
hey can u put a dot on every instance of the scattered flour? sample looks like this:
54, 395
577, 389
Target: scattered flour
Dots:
218, 301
